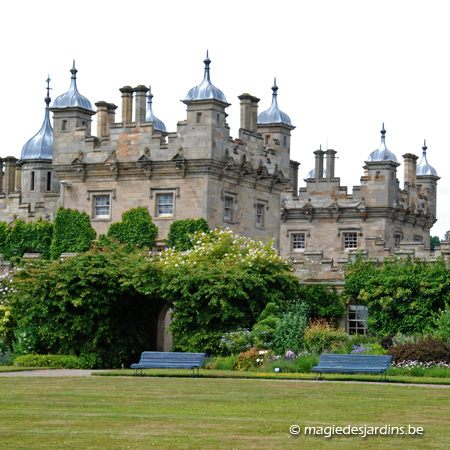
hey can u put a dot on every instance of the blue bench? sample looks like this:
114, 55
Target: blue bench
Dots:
336, 363
169, 360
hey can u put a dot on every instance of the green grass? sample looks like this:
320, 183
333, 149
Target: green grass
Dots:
201, 413
271, 375
19, 369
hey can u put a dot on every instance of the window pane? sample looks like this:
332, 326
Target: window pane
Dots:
165, 205
350, 240
298, 241
101, 205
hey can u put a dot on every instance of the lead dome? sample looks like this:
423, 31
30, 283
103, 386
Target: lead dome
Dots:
72, 98
206, 90
382, 153
423, 167
40, 146
274, 113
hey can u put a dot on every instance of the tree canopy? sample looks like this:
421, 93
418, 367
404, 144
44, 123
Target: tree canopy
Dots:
224, 282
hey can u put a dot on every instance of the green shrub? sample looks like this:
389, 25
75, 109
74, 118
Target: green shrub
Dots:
181, 231
427, 349
289, 334
222, 363
136, 229
72, 233
323, 301
322, 335
5, 231
55, 361
254, 357
305, 362
443, 324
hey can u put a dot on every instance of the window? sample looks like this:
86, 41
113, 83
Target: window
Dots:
285, 141
49, 181
267, 137
350, 240
64, 125
357, 319
260, 215
218, 118
397, 240
32, 180
164, 205
298, 241
102, 206
198, 118
228, 209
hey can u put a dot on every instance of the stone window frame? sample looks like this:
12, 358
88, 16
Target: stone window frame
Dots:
342, 232
264, 205
32, 180
92, 194
354, 324
399, 235
155, 192
293, 232
232, 197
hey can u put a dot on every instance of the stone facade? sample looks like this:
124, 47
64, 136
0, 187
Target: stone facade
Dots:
199, 171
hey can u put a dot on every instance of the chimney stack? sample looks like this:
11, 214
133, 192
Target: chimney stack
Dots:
140, 96
249, 112
127, 104
410, 162
319, 164
331, 159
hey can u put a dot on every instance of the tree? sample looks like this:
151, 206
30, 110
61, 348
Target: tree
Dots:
402, 296
72, 232
434, 242
89, 306
136, 229
323, 302
224, 282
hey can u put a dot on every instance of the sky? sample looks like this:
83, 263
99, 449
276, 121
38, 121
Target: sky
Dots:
343, 67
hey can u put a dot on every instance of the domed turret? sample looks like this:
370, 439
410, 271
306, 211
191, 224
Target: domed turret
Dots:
72, 97
382, 153
40, 146
424, 168
274, 114
150, 117
206, 90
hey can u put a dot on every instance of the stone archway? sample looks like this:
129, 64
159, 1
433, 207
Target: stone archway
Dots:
163, 337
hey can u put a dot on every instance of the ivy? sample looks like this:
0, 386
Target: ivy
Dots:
402, 296
88, 306
136, 229
5, 231
181, 231
72, 233
31, 237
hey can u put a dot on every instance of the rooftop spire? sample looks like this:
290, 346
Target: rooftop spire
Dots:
48, 99
424, 148
74, 71
207, 62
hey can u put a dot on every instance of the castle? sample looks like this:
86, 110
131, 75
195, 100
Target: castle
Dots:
248, 183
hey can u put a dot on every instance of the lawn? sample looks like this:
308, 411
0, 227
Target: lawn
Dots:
202, 414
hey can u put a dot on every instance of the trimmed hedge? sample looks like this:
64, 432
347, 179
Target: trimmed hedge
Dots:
55, 361
180, 233
427, 349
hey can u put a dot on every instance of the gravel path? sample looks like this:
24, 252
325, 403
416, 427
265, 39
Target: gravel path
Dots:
50, 373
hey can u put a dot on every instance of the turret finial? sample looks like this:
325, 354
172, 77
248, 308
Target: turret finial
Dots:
274, 87
48, 99
150, 95
73, 70
424, 148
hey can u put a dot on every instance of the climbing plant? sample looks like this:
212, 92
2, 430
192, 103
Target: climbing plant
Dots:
72, 232
136, 229
5, 231
180, 233
402, 296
